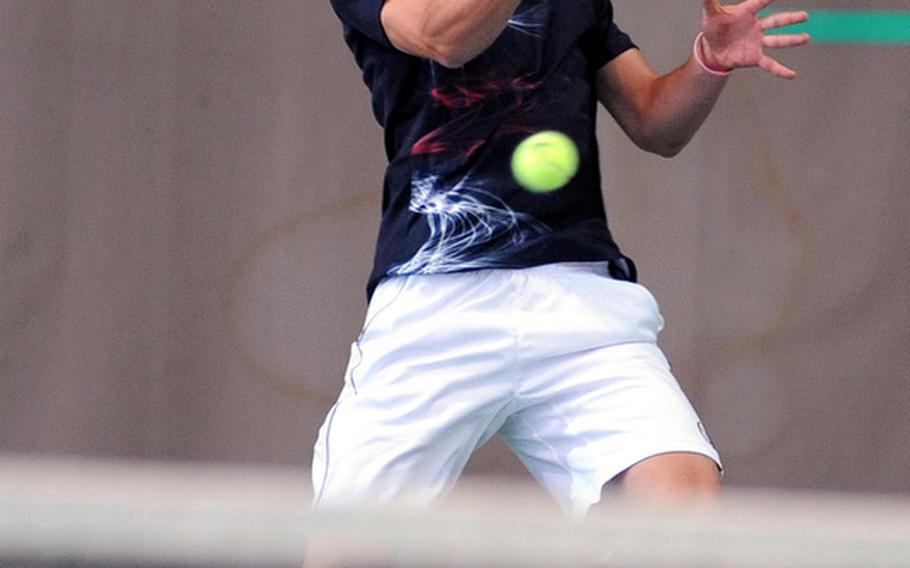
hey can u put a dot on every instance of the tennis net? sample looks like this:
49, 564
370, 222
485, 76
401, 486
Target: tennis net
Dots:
74, 512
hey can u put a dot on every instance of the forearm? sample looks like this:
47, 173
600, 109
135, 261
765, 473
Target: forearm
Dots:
677, 105
732, 36
451, 32
662, 113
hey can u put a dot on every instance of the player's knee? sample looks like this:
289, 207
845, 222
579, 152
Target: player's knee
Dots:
673, 476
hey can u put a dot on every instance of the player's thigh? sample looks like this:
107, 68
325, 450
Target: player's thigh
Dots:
379, 449
423, 388
604, 412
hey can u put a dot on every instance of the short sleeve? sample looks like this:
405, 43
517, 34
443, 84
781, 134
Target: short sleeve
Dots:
608, 41
363, 16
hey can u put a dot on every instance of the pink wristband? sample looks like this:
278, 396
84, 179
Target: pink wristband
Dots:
696, 51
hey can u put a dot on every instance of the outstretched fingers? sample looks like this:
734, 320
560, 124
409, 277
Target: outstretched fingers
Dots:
755, 6
736, 26
783, 19
791, 40
774, 67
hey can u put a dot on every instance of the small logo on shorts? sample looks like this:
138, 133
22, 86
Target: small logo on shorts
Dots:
704, 433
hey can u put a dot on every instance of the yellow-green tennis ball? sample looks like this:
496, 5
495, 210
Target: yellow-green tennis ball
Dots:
545, 161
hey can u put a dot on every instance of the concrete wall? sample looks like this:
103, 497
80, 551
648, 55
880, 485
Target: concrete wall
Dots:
189, 194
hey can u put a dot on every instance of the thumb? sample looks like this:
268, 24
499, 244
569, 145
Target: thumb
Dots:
713, 7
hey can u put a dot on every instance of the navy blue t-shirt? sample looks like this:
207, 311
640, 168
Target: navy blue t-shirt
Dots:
450, 202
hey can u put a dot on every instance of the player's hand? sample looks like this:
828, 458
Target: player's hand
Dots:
734, 36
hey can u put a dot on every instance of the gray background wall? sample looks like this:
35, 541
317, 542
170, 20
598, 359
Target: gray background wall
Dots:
189, 193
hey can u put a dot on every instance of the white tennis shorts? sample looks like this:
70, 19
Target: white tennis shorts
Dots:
561, 360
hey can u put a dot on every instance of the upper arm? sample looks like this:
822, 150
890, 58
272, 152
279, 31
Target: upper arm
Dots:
625, 86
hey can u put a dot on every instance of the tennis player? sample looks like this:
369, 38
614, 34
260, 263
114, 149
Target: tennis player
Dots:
495, 310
